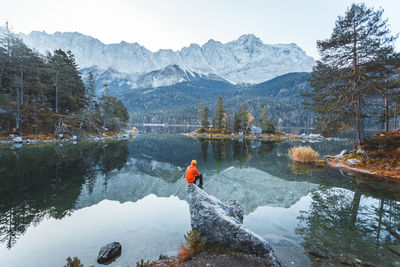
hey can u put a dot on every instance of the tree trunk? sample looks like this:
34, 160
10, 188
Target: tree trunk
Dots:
386, 106
56, 92
22, 84
357, 102
18, 109
395, 117
354, 48
358, 122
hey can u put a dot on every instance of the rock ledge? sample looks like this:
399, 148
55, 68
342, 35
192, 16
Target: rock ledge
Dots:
222, 224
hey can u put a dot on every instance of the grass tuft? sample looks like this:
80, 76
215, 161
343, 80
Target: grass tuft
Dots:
304, 154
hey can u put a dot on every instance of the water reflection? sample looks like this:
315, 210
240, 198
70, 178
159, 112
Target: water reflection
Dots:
45, 181
341, 214
341, 223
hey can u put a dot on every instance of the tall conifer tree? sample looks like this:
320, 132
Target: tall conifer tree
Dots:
339, 80
218, 114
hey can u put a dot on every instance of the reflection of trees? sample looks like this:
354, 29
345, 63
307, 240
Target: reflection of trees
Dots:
175, 149
226, 151
204, 150
341, 222
39, 182
264, 150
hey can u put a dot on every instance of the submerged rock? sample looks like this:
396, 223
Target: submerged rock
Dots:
222, 224
109, 252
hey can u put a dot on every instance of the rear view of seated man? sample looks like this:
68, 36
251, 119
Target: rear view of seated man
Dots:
193, 175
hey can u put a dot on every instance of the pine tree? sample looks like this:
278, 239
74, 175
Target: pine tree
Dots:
91, 93
113, 112
384, 79
204, 119
70, 92
263, 119
218, 115
200, 111
236, 123
270, 127
266, 124
340, 92
226, 121
243, 118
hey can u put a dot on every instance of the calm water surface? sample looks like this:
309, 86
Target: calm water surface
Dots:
59, 201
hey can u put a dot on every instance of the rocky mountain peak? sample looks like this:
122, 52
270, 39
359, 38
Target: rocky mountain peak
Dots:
245, 60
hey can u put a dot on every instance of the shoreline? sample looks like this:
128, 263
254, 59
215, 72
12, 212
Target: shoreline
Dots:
335, 162
259, 137
378, 156
53, 139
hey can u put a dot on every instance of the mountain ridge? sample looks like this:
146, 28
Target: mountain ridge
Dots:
244, 60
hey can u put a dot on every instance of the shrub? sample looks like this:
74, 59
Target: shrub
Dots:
194, 245
303, 154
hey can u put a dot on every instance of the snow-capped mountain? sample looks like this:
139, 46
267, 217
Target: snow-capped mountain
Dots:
245, 60
120, 83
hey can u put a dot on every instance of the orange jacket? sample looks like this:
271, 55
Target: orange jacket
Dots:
191, 173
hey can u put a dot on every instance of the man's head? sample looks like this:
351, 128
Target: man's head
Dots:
194, 162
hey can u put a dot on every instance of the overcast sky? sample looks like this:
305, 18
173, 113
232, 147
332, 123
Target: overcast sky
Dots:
173, 24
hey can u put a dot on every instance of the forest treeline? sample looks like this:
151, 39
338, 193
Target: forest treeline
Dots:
45, 94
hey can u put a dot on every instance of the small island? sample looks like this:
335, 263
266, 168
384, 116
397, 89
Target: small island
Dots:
244, 126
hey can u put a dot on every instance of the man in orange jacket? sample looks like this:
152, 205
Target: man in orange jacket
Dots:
192, 174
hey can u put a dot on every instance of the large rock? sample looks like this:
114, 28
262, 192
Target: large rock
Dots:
109, 252
18, 139
222, 224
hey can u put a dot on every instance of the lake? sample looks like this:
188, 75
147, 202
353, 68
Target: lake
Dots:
71, 199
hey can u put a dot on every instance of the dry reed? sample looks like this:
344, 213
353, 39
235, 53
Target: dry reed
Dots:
303, 154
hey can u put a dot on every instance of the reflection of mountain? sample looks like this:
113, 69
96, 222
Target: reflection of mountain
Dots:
251, 187
129, 185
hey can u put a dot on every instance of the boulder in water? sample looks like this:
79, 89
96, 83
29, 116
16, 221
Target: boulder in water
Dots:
222, 225
109, 252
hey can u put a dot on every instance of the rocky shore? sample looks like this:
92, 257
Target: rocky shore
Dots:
18, 141
378, 156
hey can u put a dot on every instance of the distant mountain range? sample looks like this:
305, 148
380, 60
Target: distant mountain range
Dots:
245, 60
167, 86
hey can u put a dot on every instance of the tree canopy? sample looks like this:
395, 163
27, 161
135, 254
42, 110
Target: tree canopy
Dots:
341, 80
